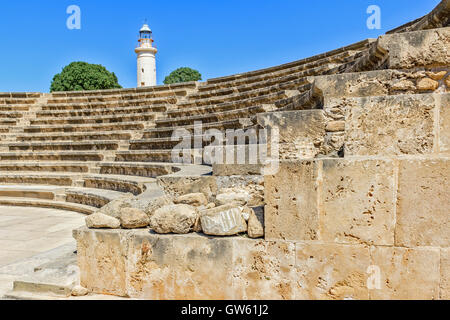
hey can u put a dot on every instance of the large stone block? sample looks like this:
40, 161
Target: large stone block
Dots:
332, 271
291, 195
423, 217
358, 202
444, 124
102, 261
264, 270
427, 48
203, 268
393, 125
406, 273
149, 273
301, 133
445, 274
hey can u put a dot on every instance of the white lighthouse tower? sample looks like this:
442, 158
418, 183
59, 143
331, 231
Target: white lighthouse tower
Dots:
146, 60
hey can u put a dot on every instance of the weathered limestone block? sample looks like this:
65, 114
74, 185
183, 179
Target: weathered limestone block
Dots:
437, 75
404, 85
300, 132
132, 218
102, 261
372, 83
291, 211
358, 202
193, 199
256, 223
332, 271
423, 203
178, 218
254, 185
203, 269
406, 273
264, 270
114, 208
149, 274
335, 126
447, 82
427, 84
79, 291
393, 125
240, 197
177, 186
226, 220
98, 220
445, 274
427, 48
444, 124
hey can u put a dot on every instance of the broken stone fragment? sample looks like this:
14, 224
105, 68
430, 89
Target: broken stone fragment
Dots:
113, 209
177, 218
193, 199
437, 75
99, 220
238, 198
225, 220
335, 126
256, 223
403, 85
427, 84
447, 82
79, 291
132, 218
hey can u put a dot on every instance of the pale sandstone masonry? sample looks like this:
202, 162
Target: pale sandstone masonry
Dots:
360, 198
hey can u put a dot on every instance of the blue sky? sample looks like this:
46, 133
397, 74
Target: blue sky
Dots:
216, 37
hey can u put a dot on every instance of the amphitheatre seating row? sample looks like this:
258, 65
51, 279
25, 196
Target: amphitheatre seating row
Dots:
83, 149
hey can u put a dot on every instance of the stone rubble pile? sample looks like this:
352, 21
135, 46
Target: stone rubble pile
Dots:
229, 214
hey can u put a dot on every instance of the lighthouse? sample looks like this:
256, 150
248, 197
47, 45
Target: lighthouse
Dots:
146, 60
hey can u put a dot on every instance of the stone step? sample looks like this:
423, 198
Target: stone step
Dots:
222, 125
120, 126
96, 119
101, 112
117, 97
112, 104
76, 136
53, 156
248, 77
64, 146
229, 106
267, 95
215, 117
40, 203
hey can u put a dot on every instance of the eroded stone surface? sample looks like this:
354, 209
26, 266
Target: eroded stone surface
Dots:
193, 199
423, 203
403, 271
291, 211
358, 202
225, 220
395, 125
178, 218
99, 220
329, 271
132, 218
256, 224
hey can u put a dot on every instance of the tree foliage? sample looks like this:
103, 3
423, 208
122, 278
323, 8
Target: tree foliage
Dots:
183, 75
80, 76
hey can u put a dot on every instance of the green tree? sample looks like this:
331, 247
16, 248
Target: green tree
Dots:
183, 75
80, 76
